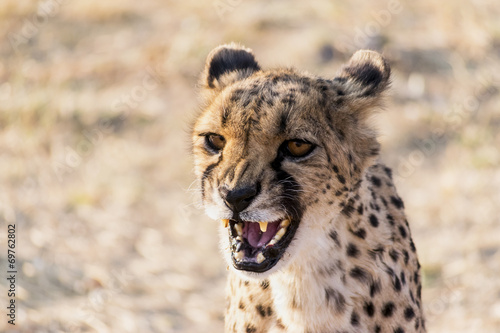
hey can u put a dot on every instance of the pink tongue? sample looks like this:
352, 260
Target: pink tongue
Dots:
255, 237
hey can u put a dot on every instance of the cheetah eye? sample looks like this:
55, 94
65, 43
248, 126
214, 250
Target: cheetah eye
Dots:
215, 142
298, 148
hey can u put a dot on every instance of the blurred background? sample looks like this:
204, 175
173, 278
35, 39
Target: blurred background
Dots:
96, 101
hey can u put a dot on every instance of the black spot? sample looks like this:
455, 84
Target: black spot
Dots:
403, 278
336, 298
388, 172
360, 209
250, 329
283, 122
374, 288
264, 284
228, 60
247, 283
341, 179
335, 169
360, 274
397, 202
376, 181
361, 233
328, 186
388, 309
261, 310
402, 231
409, 313
241, 305
377, 329
373, 220
348, 209
369, 309
412, 246
354, 319
390, 219
374, 152
399, 330
397, 284
406, 256
335, 236
269, 311
394, 255
352, 250
338, 193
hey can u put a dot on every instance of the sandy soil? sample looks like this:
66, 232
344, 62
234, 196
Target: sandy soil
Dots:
96, 100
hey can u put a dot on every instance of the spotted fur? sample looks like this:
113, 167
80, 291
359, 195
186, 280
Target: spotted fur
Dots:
352, 265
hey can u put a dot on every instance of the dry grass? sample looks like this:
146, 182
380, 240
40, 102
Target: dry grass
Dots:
95, 169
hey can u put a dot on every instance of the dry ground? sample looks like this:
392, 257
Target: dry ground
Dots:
96, 98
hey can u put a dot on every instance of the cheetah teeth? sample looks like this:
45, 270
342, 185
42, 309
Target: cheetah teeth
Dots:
260, 258
285, 223
277, 237
239, 255
238, 228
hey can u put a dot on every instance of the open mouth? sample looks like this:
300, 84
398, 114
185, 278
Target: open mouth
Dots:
258, 246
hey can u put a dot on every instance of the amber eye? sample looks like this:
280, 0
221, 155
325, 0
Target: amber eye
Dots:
215, 142
299, 148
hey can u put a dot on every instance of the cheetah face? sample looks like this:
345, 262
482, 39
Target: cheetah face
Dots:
269, 144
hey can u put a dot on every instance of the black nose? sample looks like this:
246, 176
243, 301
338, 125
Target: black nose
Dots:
239, 198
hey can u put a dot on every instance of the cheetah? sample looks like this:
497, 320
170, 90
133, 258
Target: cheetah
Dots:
310, 221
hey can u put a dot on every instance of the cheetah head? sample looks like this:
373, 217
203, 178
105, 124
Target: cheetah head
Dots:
278, 152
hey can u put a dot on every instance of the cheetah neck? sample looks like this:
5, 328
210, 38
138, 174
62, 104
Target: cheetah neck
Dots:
306, 291
333, 275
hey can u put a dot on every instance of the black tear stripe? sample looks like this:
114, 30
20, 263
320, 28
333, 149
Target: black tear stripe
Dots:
290, 200
206, 174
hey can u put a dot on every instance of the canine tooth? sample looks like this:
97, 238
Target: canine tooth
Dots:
238, 228
285, 223
239, 255
260, 258
239, 239
273, 241
280, 234
225, 223
263, 226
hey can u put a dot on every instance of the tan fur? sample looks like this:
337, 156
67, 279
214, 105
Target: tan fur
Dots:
352, 255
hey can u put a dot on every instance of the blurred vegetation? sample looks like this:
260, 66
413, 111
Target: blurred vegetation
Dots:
96, 98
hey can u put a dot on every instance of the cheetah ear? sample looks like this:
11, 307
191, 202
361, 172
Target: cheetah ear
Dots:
227, 64
366, 75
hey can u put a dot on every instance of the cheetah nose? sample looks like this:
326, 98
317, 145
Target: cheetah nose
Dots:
239, 198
